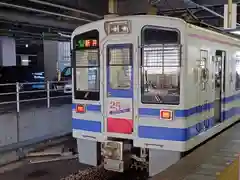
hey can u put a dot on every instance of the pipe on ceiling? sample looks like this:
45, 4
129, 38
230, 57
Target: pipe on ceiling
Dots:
154, 2
64, 35
191, 3
42, 11
52, 28
190, 8
66, 8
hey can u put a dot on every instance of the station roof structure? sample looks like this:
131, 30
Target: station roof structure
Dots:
33, 18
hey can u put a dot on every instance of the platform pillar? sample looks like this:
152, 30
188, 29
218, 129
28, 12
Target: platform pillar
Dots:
152, 10
7, 51
230, 3
131, 7
50, 50
112, 6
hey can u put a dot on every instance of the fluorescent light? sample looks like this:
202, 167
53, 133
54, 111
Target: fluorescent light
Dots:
25, 60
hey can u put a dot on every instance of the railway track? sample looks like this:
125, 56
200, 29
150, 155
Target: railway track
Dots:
99, 173
61, 163
132, 174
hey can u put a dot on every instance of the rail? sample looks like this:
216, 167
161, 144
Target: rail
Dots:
18, 93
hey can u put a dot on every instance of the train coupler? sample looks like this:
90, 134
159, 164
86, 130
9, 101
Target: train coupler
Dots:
115, 158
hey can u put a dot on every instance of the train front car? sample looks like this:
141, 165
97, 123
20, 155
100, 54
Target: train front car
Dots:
128, 92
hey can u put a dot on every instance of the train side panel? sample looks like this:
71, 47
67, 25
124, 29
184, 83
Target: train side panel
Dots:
213, 107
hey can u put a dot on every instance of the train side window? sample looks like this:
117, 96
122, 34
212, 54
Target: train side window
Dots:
153, 35
204, 69
220, 65
237, 60
160, 66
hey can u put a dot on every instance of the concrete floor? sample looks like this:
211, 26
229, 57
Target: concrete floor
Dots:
206, 161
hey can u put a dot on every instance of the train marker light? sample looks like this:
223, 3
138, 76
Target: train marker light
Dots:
166, 115
80, 108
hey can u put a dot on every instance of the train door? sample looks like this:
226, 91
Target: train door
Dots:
119, 89
220, 61
203, 91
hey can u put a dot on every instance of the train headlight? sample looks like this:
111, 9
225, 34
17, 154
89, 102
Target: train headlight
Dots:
117, 27
80, 108
166, 115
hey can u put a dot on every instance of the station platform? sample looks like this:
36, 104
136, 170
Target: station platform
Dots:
218, 159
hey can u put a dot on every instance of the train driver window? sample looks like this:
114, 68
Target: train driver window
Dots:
86, 66
160, 66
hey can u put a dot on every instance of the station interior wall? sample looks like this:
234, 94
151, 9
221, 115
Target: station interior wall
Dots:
49, 55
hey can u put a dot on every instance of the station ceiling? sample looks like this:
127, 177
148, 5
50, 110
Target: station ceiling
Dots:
48, 18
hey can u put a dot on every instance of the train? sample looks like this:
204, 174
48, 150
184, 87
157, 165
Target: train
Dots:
147, 89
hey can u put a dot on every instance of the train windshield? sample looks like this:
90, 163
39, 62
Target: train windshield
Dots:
161, 52
86, 66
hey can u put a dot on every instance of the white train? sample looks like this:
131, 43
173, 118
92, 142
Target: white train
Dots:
147, 88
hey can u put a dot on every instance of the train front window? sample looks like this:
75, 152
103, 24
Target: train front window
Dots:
86, 61
119, 62
160, 66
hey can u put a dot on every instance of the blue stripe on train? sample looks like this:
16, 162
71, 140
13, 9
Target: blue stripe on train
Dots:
89, 107
184, 134
160, 133
177, 113
187, 112
163, 133
86, 125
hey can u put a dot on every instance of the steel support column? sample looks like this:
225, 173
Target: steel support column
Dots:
112, 7
23, 18
230, 13
130, 7
152, 10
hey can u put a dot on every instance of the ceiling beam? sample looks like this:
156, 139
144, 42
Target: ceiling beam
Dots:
66, 8
42, 11
21, 18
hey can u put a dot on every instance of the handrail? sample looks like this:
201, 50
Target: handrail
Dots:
20, 91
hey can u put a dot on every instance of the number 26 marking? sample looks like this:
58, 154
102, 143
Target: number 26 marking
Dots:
115, 106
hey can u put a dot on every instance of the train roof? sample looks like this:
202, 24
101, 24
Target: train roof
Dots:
190, 21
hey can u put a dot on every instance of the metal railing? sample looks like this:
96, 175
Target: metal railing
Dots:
19, 93
16, 98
